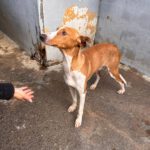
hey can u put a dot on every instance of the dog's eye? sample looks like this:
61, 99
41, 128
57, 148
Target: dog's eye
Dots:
64, 33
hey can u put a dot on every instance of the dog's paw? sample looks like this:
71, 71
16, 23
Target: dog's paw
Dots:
72, 108
78, 122
121, 91
93, 87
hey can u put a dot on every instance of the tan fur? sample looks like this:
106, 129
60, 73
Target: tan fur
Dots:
90, 60
85, 63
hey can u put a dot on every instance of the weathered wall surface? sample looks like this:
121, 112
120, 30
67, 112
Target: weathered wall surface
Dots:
127, 23
19, 20
80, 14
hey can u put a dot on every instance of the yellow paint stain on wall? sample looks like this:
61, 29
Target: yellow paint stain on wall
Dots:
69, 14
46, 30
81, 19
90, 26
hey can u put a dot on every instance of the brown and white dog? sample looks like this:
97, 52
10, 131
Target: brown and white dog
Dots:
79, 66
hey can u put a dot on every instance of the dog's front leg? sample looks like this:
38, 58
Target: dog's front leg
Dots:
78, 121
73, 92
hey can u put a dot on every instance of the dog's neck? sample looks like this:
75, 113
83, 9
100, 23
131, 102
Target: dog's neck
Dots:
72, 58
72, 52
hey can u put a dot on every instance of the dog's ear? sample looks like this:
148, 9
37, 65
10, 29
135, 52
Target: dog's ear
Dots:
83, 40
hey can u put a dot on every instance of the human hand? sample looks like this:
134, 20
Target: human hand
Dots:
24, 93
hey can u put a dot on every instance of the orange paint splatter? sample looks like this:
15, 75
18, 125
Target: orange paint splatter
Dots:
81, 18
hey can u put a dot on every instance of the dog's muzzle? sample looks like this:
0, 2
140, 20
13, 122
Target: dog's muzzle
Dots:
43, 37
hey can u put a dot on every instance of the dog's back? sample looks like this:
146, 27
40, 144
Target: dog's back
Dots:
101, 55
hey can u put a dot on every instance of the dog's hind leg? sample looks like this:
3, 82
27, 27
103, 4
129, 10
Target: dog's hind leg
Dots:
94, 85
114, 73
73, 92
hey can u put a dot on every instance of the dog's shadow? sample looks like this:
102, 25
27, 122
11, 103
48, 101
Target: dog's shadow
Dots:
106, 82
59, 88
60, 91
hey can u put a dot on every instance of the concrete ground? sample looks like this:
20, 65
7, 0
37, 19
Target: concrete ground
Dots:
110, 122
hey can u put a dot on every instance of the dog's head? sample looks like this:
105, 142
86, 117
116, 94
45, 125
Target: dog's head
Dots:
65, 38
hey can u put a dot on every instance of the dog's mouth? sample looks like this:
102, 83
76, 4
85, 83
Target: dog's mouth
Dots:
43, 37
54, 45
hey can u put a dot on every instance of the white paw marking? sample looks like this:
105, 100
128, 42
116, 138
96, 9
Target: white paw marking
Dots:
72, 108
121, 91
92, 87
78, 122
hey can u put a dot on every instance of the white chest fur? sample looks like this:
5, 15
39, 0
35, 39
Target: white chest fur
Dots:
73, 78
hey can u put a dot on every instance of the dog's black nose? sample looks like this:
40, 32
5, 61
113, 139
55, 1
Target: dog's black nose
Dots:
43, 37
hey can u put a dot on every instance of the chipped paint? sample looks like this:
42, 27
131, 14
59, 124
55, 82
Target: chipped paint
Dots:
147, 78
82, 19
124, 67
41, 15
8, 47
127, 68
75, 14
